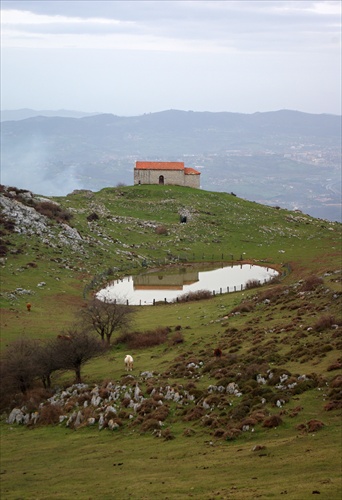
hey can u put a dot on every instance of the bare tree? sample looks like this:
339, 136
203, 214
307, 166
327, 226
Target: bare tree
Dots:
105, 317
18, 368
76, 348
47, 361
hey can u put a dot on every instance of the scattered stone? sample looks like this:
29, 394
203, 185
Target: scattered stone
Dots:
258, 447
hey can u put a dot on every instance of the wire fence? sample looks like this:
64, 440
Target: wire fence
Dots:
131, 267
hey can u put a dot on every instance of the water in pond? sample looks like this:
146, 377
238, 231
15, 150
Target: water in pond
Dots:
147, 288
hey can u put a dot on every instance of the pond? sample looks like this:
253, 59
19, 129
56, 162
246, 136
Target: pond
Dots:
151, 287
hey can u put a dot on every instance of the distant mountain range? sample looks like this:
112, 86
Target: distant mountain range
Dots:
284, 158
22, 114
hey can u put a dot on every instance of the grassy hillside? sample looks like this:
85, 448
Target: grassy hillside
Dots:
277, 434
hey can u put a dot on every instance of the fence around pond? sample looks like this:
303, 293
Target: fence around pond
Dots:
123, 269
185, 285
213, 293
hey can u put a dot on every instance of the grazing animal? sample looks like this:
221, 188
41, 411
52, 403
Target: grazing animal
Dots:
129, 363
64, 337
28, 307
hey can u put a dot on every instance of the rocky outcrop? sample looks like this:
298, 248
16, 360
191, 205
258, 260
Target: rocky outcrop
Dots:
19, 208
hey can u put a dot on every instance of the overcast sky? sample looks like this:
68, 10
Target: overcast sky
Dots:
135, 57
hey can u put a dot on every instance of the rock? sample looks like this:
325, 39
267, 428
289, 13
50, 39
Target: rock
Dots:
79, 419
16, 416
113, 425
110, 409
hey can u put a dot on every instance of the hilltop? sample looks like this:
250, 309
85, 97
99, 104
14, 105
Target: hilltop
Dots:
272, 395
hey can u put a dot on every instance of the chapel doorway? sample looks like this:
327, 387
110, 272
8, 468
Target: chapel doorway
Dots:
161, 179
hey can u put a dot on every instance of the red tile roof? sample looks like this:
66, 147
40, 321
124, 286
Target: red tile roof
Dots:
159, 165
191, 171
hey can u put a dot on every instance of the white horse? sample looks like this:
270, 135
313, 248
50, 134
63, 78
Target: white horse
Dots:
129, 362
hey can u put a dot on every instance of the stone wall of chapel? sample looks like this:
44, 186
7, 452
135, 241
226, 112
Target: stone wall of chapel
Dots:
192, 181
171, 177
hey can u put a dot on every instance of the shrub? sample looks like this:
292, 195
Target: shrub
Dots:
53, 211
34, 397
271, 293
49, 414
177, 338
252, 284
3, 250
243, 307
240, 411
139, 340
194, 414
335, 366
324, 322
311, 283
167, 434
215, 363
336, 382
232, 434
18, 367
147, 406
314, 425
161, 230
193, 296
219, 432
7, 223
150, 424
272, 421
333, 405
161, 413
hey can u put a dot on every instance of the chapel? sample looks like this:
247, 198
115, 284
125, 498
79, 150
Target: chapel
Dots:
166, 172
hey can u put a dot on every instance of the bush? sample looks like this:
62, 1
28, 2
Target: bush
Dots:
177, 338
167, 434
232, 434
194, 414
252, 284
243, 307
324, 322
49, 414
34, 397
161, 230
272, 421
140, 340
53, 211
311, 283
161, 413
18, 367
272, 293
150, 424
193, 296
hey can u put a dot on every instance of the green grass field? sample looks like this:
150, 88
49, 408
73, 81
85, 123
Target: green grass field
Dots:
275, 327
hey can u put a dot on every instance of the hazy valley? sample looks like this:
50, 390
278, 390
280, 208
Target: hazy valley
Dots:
285, 158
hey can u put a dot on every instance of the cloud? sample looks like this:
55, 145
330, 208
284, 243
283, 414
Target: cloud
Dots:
131, 57
208, 26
